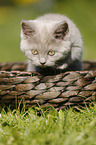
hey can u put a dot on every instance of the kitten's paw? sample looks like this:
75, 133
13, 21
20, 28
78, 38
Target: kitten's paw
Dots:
64, 66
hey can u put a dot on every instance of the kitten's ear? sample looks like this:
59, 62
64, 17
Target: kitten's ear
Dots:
61, 30
26, 28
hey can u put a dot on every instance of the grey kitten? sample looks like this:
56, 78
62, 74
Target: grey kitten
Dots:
52, 43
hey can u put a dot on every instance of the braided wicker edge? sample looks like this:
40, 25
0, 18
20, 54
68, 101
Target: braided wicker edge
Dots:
67, 89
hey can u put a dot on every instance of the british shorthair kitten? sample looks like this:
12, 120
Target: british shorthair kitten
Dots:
52, 43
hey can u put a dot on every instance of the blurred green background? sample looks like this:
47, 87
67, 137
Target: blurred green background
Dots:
82, 12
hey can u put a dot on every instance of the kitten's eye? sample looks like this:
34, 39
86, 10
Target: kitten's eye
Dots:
51, 52
34, 52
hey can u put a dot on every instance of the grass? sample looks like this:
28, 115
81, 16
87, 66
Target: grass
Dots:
64, 127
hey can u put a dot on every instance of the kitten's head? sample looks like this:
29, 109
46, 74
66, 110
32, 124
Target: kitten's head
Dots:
44, 42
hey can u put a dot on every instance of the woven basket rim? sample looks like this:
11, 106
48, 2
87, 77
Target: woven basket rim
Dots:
69, 89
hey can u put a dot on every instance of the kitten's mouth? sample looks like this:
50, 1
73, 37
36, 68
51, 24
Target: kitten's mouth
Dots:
43, 66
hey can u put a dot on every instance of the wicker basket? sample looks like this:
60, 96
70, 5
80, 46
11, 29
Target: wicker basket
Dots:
73, 88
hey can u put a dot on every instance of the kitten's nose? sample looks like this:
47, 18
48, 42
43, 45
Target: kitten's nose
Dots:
42, 61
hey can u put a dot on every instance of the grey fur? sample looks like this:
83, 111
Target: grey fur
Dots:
55, 33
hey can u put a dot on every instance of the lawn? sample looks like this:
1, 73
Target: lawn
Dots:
49, 127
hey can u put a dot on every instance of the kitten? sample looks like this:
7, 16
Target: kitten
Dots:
52, 43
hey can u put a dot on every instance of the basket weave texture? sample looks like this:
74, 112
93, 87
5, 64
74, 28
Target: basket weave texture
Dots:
73, 88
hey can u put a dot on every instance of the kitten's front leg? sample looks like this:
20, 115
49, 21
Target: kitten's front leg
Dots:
73, 66
76, 65
76, 55
30, 66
